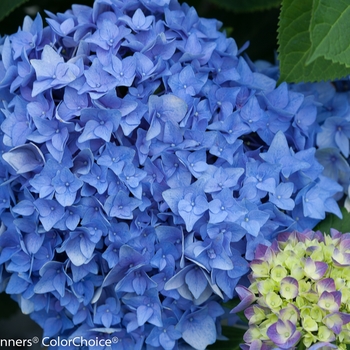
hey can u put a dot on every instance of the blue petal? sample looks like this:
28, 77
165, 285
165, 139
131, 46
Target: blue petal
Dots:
52, 326
74, 253
24, 158
86, 247
66, 199
16, 285
139, 285
72, 221
199, 333
50, 212
45, 283
24, 207
143, 314
178, 279
189, 217
106, 319
33, 242
59, 283
196, 282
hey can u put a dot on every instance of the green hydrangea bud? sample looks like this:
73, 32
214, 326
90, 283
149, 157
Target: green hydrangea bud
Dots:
325, 334
266, 286
290, 312
260, 269
289, 288
278, 272
273, 300
316, 313
309, 324
255, 314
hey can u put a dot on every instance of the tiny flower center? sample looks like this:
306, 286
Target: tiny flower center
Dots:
211, 254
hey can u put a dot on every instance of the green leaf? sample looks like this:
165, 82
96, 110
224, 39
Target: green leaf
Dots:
295, 44
7, 6
301, 346
332, 221
247, 5
329, 31
235, 337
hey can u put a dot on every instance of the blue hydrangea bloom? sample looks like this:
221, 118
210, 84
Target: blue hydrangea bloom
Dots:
144, 158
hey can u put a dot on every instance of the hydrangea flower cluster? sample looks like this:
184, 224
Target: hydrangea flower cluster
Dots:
299, 292
143, 160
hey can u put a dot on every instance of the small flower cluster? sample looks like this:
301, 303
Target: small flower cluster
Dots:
143, 160
328, 130
331, 129
299, 292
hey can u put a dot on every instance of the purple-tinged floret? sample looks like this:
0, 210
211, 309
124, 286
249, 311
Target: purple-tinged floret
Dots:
284, 334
